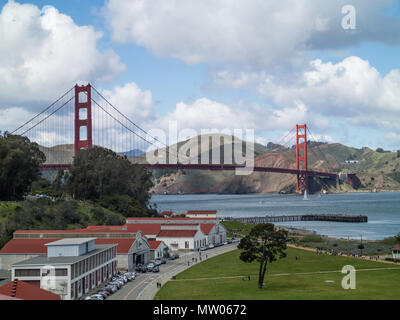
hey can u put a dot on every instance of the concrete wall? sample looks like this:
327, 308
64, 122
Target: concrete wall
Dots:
6, 260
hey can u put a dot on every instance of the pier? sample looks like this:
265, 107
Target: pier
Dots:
305, 217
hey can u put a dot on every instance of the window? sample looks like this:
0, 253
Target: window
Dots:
186, 244
61, 272
27, 272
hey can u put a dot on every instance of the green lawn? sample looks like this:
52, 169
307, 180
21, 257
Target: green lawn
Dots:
283, 280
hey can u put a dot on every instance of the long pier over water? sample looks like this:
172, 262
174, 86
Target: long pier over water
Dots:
304, 217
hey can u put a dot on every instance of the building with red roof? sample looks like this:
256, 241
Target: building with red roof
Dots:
21, 290
70, 268
130, 251
158, 249
182, 237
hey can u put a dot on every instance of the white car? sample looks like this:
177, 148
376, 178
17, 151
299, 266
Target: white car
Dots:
97, 296
210, 246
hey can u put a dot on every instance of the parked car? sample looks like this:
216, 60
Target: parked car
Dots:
210, 246
157, 262
97, 296
123, 278
150, 266
112, 288
163, 260
103, 294
174, 256
117, 284
225, 243
155, 269
203, 248
109, 289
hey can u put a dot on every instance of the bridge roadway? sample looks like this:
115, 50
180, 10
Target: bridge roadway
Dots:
49, 167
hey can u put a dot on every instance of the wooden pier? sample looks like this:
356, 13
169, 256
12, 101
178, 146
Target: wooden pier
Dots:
305, 217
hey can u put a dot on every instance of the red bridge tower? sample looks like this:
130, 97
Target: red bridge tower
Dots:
83, 117
301, 158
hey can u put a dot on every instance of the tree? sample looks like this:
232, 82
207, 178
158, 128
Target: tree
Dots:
20, 162
101, 175
264, 244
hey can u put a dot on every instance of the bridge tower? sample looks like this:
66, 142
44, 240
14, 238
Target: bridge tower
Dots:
83, 117
301, 158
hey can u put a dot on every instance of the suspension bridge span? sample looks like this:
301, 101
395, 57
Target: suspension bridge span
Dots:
84, 117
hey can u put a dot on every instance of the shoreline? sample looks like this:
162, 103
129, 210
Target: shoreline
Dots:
273, 193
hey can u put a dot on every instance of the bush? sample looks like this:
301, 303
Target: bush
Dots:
312, 238
393, 260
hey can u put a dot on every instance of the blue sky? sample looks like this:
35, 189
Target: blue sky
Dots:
181, 57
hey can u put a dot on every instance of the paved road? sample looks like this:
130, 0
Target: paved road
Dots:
144, 287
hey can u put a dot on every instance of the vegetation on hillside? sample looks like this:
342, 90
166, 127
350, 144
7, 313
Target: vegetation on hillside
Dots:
48, 214
111, 180
19, 165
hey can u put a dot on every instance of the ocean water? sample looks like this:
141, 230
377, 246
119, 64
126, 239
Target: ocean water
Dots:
382, 209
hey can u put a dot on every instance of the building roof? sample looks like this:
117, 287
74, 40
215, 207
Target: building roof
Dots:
26, 246
123, 245
167, 213
4, 297
38, 246
69, 241
44, 260
177, 233
206, 227
76, 231
396, 246
26, 291
202, 212
154, 244
146, 228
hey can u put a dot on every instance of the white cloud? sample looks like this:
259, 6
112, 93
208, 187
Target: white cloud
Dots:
133, 102
351, 89
251, 32
43, 53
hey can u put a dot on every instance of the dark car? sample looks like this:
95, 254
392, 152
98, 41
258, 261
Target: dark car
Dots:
157, 262
163, 260
138, 267
155, 269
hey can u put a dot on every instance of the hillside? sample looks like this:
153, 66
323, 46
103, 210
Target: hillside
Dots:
376, 170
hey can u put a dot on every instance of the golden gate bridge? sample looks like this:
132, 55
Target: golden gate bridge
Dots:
82, 118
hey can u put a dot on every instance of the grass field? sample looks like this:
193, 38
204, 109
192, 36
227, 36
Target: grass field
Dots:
311, 277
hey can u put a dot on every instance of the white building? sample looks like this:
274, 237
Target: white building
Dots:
215, 232
201, 214
396, 251
71, 268
182, 236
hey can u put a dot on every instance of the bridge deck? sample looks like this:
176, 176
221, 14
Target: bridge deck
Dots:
48, 167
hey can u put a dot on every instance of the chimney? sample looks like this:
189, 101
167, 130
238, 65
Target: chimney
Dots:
14, 288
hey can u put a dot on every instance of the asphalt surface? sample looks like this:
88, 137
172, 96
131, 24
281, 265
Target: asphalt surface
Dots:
144, 287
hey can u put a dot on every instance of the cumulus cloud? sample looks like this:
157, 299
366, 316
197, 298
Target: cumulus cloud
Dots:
43, 53
351, 89
251, 32
135, 103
